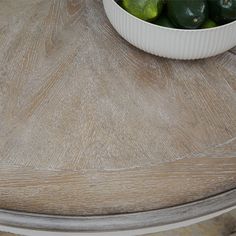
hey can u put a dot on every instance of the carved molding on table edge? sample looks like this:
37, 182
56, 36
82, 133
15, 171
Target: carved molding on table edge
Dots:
189, 213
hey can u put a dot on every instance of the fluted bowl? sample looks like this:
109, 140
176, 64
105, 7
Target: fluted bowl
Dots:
168, 42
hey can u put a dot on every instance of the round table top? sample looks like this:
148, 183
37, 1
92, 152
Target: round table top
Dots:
90, 125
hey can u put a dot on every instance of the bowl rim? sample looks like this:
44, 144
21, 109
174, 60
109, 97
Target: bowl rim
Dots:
115, 3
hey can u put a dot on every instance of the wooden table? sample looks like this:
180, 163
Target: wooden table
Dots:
94, 128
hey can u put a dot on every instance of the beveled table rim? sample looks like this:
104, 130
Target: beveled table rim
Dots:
205, 208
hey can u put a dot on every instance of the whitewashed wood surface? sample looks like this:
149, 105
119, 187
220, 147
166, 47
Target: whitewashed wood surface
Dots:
90, 125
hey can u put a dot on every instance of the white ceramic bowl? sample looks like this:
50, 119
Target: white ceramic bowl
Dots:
167, 42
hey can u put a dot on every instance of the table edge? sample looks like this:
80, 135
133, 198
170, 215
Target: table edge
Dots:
190, 212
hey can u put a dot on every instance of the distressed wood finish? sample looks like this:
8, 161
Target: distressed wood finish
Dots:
91, 125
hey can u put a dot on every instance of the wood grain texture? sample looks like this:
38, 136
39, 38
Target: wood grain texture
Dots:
91, 125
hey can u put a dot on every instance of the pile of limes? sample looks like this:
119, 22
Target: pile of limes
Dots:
183, 14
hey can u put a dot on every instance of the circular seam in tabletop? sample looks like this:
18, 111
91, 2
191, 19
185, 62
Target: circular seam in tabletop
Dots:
118, 222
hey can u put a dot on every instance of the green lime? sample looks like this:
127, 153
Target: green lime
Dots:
208, 24
187, 14
222, 11
147, 10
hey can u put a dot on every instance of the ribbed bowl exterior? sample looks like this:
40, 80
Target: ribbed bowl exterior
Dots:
170, 43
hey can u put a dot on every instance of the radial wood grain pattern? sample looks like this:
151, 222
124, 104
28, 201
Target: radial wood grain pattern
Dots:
91, 125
